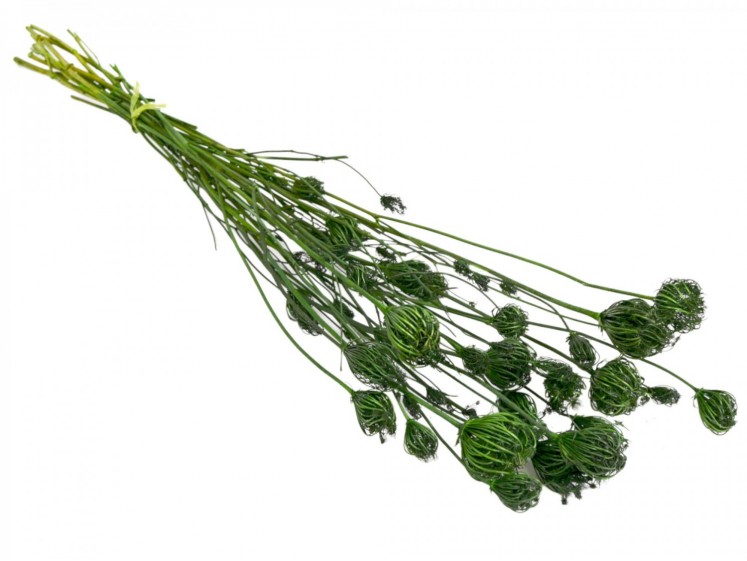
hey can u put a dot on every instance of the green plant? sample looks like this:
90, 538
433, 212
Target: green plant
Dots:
412, 318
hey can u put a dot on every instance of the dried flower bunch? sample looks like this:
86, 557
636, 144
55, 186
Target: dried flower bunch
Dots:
415, 321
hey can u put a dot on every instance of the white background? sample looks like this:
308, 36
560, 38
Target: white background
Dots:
150, 407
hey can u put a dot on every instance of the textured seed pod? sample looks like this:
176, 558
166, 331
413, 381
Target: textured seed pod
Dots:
663, 395
557, 473
581, 350
519, 403
563, 386
475, 361
344, 234
301, 315
309, 188
679, 303
393, 204
415, 278
616, 387
375, 413
509, 364
373, 363
413, 332
635, 328
495, 444
595, 446
718, 410
518, 491
510, 321
420, 441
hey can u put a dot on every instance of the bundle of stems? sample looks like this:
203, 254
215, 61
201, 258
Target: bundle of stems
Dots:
423, 330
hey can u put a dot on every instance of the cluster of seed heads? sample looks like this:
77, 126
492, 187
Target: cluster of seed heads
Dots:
429, 336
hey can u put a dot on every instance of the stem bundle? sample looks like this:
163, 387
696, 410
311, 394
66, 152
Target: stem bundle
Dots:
412, 318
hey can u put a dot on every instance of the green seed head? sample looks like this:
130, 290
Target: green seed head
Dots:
510, 321
411, 406
635, 328
413, 332
663, 395
475, 361
495, 444
718, 410
415, 278
461, 267
509, 363
558, 474
680, 304
309, 188
581, 350
375, 413
393, 204
517, 403
616, 387
373, 363
518, 491
563, 386
296, 307
420, 441
344, 234
595, 446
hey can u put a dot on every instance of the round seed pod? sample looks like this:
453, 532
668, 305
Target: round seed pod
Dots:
679, 303
635, 328
413, 332
420, 441
563, 386
475, 361
581, 350
509, 363
415, 278
301, 315
375, 413
309, 188
616, 388
495, 444
518, 491
718, 410
595, 446
556, 473
373, 364
510, 321
664, 395
344, 234
517, 403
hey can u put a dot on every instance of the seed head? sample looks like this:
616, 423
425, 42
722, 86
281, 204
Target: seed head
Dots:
420, 441
635, 328
495, 444
518, 491
375, 413
581, 350
413, 332
680, 304
510, 321
616, 387
373, 363
309, 188
509, 363
595, 446
718, 410
563, 386
393, 204
415, 278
